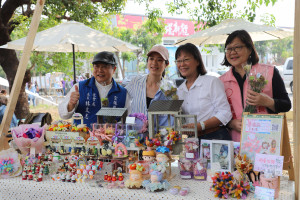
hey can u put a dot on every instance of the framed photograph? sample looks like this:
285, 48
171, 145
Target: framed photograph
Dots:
221, 155
205, 151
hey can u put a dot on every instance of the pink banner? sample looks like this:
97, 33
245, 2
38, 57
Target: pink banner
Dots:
174, 27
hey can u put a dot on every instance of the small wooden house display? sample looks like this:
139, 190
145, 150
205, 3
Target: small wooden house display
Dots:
110, 115
180, 121
162, 107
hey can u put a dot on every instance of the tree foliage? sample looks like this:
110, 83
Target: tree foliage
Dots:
212, 12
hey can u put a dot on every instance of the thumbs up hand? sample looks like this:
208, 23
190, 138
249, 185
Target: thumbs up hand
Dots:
74, 97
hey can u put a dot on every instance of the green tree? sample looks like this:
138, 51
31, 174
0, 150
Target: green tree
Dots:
211, 12
149, 34
18, 13
282, 49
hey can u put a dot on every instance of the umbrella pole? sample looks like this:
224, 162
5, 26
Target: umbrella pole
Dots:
74, 69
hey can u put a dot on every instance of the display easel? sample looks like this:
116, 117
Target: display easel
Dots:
285, 147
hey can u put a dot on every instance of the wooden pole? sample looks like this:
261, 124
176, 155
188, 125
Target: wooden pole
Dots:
296, 99
20, 73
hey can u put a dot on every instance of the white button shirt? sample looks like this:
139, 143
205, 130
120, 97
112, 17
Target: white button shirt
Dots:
206, 99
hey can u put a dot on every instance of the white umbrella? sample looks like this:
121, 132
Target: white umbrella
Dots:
73, 37
219, 33
4, 82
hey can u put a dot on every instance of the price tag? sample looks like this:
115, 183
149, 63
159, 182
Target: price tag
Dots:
32, 151
130, 120
189, 155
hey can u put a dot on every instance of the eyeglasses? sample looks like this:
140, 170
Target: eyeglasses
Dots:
236, 49
178, 62
102, 66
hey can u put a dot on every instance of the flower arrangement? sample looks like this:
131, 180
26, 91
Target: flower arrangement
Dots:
172, 137
60, 126
28, 136
224, 187
256, 83
169, 89
243, 166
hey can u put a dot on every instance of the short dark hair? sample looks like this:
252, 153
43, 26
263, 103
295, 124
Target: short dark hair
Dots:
247, 40
194, 51
3, 100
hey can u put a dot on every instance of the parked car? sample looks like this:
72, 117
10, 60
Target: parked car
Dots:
288, 73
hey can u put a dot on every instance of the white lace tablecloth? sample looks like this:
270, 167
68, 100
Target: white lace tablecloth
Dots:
16, 188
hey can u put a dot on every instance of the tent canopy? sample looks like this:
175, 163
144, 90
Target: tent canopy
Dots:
219, 33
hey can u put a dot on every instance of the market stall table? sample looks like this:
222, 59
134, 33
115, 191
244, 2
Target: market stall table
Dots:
16, 188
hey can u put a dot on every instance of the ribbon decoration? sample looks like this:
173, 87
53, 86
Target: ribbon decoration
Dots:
100, 133
102, 136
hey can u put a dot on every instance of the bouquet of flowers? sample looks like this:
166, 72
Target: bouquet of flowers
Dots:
27, 136
256, 83
169, 89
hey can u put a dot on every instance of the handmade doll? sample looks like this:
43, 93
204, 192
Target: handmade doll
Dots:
148, 159
24, 175
162, 159
135, 177
91, 174
156, 184
149, 156
68, 176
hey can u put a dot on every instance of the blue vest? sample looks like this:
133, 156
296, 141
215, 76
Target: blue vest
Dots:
90, 103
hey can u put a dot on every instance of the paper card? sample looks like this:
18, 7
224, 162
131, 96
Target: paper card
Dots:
130, 120
262, 193
190, 155
32, 151
270, 164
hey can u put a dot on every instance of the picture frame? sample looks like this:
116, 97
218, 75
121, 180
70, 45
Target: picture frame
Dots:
205, 151
221, 155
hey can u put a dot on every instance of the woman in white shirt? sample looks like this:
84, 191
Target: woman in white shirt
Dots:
203, 95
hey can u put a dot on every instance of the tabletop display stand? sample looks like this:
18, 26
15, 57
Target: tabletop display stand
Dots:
162, 107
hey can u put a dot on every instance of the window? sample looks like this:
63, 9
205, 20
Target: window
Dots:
290, 65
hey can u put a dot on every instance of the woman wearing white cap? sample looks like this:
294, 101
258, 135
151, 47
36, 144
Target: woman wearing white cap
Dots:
144, 89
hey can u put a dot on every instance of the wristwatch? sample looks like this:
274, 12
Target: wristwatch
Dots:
202, 126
